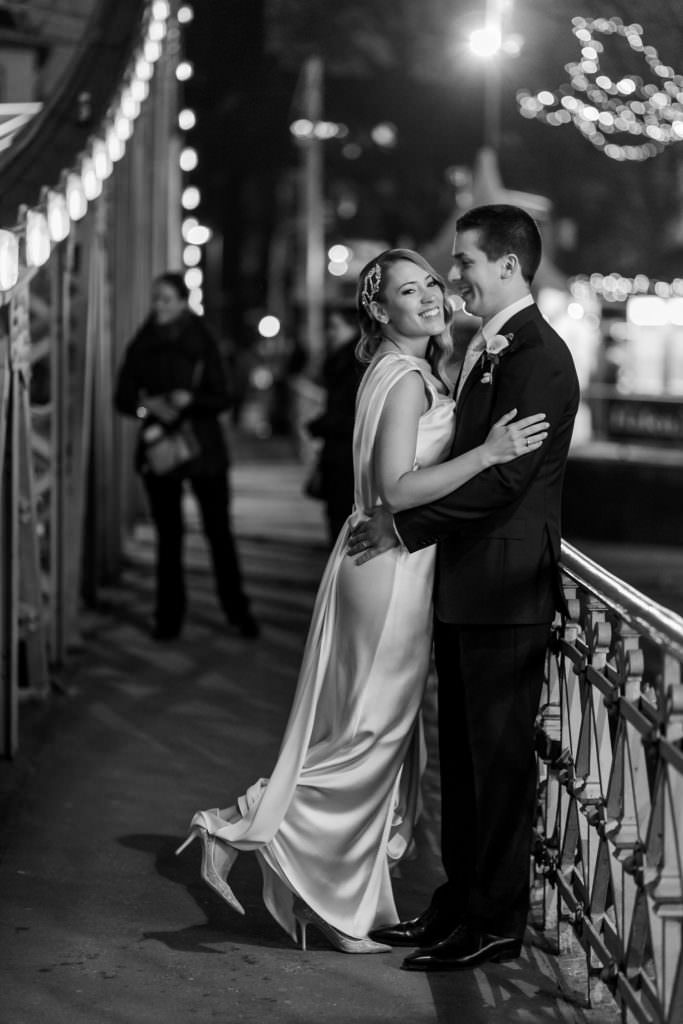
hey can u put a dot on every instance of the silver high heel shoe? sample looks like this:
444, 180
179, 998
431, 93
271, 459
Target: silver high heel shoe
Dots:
344, 943
217, 860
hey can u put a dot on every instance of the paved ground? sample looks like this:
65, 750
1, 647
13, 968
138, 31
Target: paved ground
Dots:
99, 921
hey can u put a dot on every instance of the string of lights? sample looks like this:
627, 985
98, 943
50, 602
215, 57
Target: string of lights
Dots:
616, 288
29, 243
195, 235
648, 113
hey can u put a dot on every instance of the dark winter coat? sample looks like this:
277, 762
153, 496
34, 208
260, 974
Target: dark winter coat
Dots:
341, 376
184, 354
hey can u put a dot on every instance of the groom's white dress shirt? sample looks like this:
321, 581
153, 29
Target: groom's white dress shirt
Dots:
485, 333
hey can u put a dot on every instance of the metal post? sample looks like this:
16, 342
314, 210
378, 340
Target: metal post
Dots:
314, 272
492, 89
493, 78
59, 269
9, 580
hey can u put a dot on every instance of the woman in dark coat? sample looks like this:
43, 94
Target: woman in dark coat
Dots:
171, 377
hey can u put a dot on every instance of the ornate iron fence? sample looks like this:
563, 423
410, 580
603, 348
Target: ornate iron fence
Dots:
610, 836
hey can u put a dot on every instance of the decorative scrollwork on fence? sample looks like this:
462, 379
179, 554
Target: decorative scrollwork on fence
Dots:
609, 847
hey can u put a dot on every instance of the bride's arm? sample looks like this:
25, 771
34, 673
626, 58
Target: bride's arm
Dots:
400, 486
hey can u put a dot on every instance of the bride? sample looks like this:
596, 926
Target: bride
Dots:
339, 806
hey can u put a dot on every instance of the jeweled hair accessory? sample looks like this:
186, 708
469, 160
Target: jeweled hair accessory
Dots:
373, 280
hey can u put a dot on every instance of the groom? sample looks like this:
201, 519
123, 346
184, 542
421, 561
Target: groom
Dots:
496, 590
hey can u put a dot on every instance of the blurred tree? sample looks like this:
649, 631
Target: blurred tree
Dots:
630, 213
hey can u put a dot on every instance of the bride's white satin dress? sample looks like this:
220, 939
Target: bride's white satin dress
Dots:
342, 799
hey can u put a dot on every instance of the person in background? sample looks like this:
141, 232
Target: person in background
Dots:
340, 377
172, 375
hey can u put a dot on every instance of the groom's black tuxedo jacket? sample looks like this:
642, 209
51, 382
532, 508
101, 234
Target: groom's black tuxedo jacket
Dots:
499, 535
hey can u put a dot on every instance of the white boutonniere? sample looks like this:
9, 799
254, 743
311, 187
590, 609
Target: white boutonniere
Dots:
495, 347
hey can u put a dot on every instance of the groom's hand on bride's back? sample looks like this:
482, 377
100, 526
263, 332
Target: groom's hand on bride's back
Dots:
373, 536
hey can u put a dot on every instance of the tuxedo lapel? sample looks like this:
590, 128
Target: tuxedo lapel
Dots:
514, 324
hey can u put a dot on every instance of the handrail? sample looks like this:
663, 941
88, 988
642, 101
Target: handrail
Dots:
608, 848
659, 624
597, 389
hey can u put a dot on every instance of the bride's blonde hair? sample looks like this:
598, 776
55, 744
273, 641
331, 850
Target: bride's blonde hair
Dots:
371, 287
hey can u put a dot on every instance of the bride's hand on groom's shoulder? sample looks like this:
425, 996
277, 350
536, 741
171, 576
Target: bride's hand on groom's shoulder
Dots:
373, 536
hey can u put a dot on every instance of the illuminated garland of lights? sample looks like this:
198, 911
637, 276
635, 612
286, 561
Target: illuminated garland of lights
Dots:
194, 234
615, 288
651, 112
30, 242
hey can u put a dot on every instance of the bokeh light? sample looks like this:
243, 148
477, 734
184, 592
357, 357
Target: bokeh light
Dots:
485, 42
187, 119
188, 159
192, 255
190, 198
268, 326
193, 277
184, 71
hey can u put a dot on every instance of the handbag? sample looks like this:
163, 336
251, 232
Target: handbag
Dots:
168, 449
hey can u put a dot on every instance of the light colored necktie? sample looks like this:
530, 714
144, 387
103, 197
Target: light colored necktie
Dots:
473, 353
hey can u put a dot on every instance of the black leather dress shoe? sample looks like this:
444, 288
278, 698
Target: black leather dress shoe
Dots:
430, 927
462, 950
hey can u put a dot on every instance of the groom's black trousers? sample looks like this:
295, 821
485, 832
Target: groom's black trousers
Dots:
490, 681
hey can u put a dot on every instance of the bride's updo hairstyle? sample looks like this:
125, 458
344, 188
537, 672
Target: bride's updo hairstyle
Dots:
372, 282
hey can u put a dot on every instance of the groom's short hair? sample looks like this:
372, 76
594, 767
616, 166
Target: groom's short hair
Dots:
503, 228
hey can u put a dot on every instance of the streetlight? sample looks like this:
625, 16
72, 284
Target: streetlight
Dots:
488, 43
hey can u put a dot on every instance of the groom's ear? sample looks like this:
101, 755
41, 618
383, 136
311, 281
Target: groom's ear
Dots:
510, 264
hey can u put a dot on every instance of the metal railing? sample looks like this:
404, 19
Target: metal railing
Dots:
609, 850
